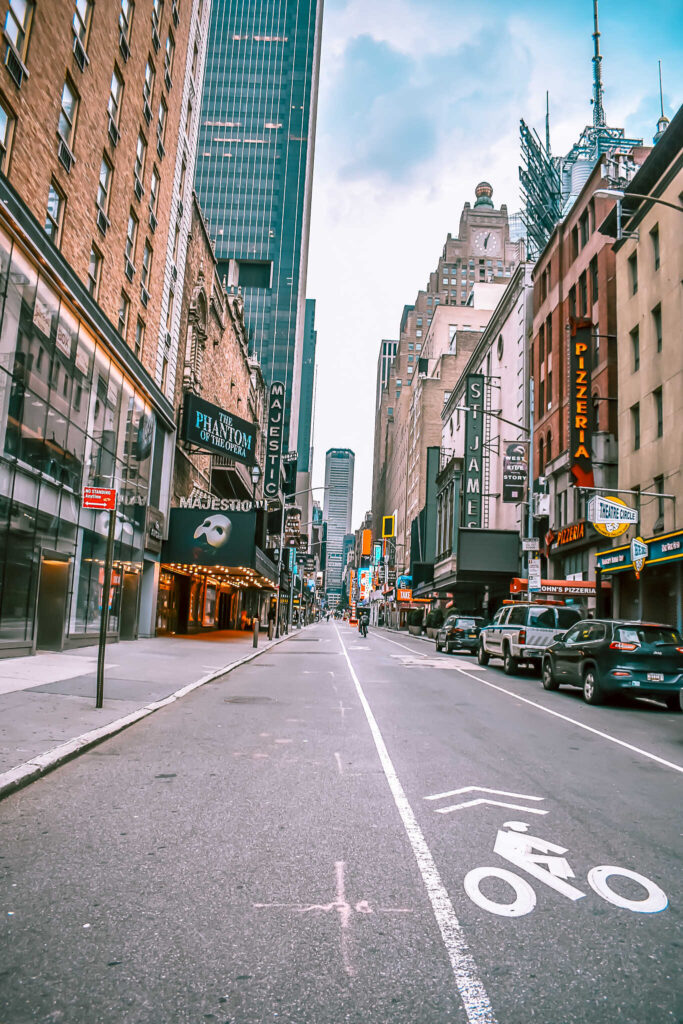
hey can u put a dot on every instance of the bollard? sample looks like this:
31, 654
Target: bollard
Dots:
271, 629
255, 632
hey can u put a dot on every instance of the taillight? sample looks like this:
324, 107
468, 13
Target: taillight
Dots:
456, 629
617, 645
680, 650
522, 636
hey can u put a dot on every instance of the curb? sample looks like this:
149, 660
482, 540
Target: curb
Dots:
30, 771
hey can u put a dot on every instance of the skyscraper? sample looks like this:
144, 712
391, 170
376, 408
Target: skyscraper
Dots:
307, 389
254, 169
339, 466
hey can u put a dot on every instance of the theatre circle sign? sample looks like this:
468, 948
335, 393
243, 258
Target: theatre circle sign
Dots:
611, 516
215, 430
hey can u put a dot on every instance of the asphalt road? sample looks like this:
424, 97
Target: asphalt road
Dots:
280, 846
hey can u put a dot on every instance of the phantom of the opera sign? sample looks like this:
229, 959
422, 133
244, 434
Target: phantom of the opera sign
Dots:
214, 430
474, 441
276, 411
580, 406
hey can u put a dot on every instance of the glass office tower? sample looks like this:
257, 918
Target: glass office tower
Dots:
254, 169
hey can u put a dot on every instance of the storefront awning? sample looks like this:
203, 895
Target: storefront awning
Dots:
218, 541
666, 548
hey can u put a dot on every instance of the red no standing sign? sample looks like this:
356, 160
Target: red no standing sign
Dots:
99, 497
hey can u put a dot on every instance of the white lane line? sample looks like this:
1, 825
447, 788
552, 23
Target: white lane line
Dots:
573, 721
472, 992
388, 639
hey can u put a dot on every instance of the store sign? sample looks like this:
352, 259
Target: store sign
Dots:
514, 473
571, 534
404, 582
276, 412
404, 595
364, 583
611, 516
292, 526
197, 537
154, 529
214, 504
99, 498
530, 544
217, 431
565, 588
474, 448
580, 410
639, 553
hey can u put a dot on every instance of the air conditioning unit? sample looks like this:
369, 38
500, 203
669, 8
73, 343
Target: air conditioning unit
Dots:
130, 269
139, 190
102, 221
66, 157
80, 54
113, 131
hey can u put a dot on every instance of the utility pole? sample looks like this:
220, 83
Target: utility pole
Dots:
530, 485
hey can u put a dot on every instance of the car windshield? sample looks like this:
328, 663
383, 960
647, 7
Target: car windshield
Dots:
637, 634
542, 617
566, 617
467, 623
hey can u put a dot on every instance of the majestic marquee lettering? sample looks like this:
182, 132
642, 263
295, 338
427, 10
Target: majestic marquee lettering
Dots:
580, 426
474, 437
271, 482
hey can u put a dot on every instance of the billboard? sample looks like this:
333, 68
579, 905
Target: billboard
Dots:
580, 406
201, 537
474, 443
514, 472
215, 430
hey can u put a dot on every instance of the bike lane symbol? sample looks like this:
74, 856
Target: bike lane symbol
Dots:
545, 861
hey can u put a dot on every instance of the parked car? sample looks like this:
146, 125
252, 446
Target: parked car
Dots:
459, 633
605, 657
521, 632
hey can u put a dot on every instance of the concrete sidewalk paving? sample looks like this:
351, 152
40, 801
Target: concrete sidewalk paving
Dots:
47, 702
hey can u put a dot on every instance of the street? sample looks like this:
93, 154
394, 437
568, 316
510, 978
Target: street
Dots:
292, 843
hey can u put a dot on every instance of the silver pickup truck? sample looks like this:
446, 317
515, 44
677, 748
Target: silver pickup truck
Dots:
521, 632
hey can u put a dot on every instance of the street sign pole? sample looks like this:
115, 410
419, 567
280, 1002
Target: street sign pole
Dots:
530, 481
104, 618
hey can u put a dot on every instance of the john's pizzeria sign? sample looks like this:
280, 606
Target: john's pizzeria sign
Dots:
214, 430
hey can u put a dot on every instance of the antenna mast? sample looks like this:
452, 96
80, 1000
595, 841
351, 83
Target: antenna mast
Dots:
661, 94
598, 108
547, 123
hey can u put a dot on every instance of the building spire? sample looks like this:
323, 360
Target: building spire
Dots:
598, 108
663, 122
547, 123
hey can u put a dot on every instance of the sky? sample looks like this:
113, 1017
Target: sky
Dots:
420, 100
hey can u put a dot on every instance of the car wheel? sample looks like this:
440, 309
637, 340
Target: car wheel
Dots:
438, 645
547, 676
482, 656
592, 691
510, 664
673, 702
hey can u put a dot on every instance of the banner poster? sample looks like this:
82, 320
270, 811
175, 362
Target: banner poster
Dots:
474, 441
202, 537
514, 473
580, 404
217, 431
276, 409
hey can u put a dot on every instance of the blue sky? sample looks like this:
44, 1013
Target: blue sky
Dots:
420, 100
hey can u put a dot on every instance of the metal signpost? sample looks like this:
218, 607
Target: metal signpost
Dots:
103, 498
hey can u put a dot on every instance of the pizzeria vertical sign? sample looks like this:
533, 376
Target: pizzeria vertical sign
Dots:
474, 444
580, 407
276, 411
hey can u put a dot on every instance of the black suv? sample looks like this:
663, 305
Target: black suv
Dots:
602, 656
459, 633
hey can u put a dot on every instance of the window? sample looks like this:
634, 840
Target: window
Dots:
594, 279
164, 373
572, 301
541, 401
81, 21
154, 184
18, 25
66, 125
148, 84
131, 237
139, 337
635, 426
418, 334
55, 214
583, 294
635, 347
115, 96
146, 265
549, 389
584, 228
169, 311
575, 242
94, 272
124, 310
659, 412
541, 345
549, 334
140, 156
596, 411
181, 187
169, 55
104, 186
548, 448
657, 324
161, 123
188, 118
633, 272
125, 22
659, 487
157, 12
654, 235
6, 133
176, 241
195, 55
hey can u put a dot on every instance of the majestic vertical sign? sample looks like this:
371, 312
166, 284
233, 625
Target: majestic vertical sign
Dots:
474, 441
580, 406
276, 409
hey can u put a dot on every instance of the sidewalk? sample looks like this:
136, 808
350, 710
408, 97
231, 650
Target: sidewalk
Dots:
47, 702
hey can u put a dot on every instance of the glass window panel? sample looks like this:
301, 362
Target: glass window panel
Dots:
18, 313
77, 446
17, 596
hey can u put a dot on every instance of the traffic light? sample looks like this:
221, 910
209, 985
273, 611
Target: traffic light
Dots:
388, 527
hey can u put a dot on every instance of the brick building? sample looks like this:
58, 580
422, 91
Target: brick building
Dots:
98, 125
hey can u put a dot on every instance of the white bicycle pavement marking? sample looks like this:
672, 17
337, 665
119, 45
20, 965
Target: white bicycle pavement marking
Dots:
484, 800
472, 992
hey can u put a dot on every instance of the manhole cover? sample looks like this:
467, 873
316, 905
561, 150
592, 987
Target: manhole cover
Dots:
248, 700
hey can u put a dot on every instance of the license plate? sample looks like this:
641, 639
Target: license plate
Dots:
473, 636
655, 677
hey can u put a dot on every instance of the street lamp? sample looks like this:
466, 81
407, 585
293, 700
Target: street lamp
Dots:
255, 477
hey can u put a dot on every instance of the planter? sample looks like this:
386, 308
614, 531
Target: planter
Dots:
431, 632
415, 630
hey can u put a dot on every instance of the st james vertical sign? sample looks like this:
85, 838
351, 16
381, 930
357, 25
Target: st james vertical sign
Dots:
474, 443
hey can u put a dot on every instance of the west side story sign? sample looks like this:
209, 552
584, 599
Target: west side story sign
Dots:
276, 410
217, 431
580, 406
474, 439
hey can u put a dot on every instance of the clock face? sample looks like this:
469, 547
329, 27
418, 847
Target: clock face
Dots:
486, 242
